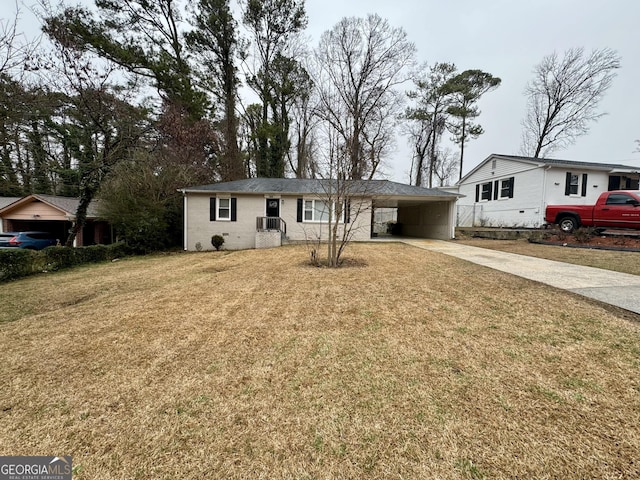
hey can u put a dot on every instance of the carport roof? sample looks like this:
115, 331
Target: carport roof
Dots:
300, 186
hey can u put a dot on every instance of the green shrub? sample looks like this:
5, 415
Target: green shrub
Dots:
217, 241
16, 263
58, 257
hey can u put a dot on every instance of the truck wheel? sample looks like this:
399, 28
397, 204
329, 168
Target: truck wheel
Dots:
568, 224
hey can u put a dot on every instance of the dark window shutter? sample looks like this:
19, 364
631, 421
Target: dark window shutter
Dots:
477, 193
347, 211
567, 184
212, 209
496, 189
234, 209
490, 190
614, 182
584, 184
299, 217
511, 182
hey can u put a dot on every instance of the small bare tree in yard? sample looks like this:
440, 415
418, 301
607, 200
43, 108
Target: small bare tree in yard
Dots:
340, 204
563, 98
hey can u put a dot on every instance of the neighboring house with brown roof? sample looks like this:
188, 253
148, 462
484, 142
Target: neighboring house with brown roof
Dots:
265, 212
514, 191
53, 214
4, 201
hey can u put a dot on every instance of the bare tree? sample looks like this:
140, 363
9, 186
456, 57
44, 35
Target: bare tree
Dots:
15, 50
563, 98
342, 201
301, 157
445, 167
360, 63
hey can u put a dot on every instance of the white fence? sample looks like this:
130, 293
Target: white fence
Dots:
468, 215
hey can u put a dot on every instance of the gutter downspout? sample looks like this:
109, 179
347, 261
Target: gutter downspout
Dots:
185, 238
543, 206
453, 217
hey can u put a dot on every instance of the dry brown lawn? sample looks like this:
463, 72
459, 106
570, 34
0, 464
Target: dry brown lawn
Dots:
619, 261
250, 365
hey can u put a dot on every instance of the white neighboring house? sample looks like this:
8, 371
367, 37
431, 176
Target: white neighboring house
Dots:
513, 191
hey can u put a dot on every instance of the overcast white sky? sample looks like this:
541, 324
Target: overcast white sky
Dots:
507, 38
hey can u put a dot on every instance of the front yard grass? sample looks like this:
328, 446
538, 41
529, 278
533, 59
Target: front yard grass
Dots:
252, 364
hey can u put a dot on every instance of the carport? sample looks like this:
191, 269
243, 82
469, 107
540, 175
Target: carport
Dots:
421, 212
55, 215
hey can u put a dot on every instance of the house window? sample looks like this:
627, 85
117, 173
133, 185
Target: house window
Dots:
316, 211
576, 184
224, 209
319, 211
506, 188
486, 191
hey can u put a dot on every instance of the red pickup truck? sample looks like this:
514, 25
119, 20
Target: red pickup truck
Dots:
616, 209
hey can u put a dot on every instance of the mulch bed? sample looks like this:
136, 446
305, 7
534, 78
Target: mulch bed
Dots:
608, 240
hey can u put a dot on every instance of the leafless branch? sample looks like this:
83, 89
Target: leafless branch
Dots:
563, 98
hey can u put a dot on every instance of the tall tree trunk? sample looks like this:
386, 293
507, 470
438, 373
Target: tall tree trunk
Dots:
463, 138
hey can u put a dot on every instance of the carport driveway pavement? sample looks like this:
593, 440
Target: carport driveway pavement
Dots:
614, 288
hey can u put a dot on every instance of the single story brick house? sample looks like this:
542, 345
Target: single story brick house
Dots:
514, 191
55, 215
265, 212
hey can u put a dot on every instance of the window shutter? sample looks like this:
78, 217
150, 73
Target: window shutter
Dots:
347, 211
511, 182
212, 209
584, 184
614, 182
490, 190
234, 209
496, 189
299, 217
477, 193
567, 184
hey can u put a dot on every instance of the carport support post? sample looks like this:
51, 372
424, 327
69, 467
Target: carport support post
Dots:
77, 241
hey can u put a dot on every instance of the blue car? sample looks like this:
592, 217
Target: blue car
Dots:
29, 240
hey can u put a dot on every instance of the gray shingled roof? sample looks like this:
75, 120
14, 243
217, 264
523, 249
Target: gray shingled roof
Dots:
67, 204
374, 188
573, 163
70, 204
5, 201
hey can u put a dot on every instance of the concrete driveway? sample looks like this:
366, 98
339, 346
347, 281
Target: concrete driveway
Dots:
619, 289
